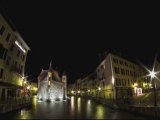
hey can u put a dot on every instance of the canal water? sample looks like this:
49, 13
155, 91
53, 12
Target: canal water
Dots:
72, 108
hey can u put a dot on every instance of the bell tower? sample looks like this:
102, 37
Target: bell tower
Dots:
50, 74
64, 80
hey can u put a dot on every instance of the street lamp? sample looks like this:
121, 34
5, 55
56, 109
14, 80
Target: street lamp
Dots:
28, 87
78, 91
152, 74
99, 88
25, 82
72, 91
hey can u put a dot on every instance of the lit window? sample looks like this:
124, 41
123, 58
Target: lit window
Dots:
49, 82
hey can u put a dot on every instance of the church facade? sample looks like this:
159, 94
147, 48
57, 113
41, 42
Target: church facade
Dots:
51, 86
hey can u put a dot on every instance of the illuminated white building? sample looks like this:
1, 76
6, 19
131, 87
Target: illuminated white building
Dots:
51, 86
119, 78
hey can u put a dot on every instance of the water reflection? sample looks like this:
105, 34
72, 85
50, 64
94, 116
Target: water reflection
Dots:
34, 102
100, 112
79, 105
89, 102
24, 114
89, 108
73, 108
72, 105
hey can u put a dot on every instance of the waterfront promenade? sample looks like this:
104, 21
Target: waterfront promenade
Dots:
7, 106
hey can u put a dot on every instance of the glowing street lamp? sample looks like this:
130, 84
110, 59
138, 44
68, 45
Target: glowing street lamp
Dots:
28, 87
99, 88
25, 82
72, 91
152, 74
23, 77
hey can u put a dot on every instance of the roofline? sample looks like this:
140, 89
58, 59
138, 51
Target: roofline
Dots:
122, 57
7, 19
10, 23
21, 40
103, 61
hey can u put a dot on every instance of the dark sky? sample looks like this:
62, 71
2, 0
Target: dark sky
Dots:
73, 35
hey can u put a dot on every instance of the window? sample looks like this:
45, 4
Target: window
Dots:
15, 64
102, 67
8, 37
134, 74
121, 62
1, 73
116, 70
115, 60
21, 68
128, 82
8, 60
117, 82
130, 65
126, 72
2, 30
12, 47
124, 82
5, 54
18, 53
126, 64
120, 81
2, 51
122, 71
23, 57
131, 73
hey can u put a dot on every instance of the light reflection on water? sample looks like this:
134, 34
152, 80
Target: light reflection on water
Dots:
72, 106
24, 115
79, 105
89, 108
75, 107
99, 112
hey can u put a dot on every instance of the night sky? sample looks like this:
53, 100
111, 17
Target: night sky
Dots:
74, 35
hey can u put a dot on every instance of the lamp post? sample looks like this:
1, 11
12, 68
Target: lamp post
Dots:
153, 75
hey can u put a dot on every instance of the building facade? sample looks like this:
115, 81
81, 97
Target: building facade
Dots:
87, 86
121, 79
13, 54
116, 80
51, 86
